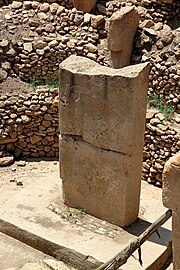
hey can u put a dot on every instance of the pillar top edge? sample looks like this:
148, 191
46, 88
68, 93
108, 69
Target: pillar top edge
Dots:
85, 66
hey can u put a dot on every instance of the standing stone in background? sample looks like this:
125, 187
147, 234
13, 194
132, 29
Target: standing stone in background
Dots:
171, 189
122, 28
102, 121
84, 5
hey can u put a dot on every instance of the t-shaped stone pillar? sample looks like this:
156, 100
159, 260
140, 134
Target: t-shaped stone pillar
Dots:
102, 120
122, 27
171, 199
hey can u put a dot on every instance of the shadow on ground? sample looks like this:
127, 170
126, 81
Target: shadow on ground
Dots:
140, 225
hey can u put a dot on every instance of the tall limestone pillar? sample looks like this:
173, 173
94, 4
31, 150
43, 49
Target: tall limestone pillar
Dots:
171, 199
102, 121
122, 27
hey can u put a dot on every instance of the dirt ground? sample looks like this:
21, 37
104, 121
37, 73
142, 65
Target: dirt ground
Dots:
14, 85
20, 174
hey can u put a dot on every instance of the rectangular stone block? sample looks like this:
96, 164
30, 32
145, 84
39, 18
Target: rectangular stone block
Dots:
122, 27
100, 181
102, 121
103, 105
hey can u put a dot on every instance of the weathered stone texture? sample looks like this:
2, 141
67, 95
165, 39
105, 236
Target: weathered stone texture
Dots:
171, 188
29, 124
171, 183
84, 5
94, 107
102, 119
122, 28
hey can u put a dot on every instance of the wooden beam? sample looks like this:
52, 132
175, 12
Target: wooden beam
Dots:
122, 257
61, 253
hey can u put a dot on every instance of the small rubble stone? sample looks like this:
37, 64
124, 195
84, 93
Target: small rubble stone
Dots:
53, 264
21, 163
6, 160
32, 266
44, 7
28, 47
96, 20
16, 5
4, 43
3, 74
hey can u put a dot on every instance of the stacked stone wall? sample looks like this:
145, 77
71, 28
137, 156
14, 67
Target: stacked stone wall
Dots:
29, 128
35, 37
30, 124
161, 141
66, 3
34, 44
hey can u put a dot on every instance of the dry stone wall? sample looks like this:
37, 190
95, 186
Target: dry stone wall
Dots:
35, 37
157, 40
161, 141
29, 127
66, 3
44, 36
29, 124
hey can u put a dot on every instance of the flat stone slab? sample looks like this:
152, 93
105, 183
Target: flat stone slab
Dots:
34, 266
15, 254
28, 208
56, 265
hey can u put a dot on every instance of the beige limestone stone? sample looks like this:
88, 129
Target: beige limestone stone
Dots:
171, 183
105, 106
57, 265
6, 160
96, 20
32, 266
102, 119
28, 46
100, 181
16, 5
84, 5
122, 27
171, 189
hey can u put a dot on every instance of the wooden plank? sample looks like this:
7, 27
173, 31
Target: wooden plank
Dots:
64, 254
122, 257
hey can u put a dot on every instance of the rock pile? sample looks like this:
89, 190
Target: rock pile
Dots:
66, 3
160, 45
34, 44
162, 140
29, 124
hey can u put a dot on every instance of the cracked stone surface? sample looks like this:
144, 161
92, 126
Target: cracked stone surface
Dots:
102, 119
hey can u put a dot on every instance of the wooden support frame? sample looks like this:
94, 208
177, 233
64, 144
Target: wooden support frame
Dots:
122, 257
76, 259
